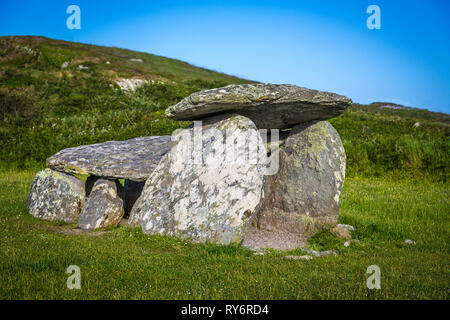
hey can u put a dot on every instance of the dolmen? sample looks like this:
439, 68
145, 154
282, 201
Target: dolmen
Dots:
260, 166
101, 201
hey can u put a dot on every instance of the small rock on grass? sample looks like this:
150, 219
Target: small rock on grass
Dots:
326, 253
259, 252
320, 253
256, 250
346, 226
409, 241
304, 257
349, 242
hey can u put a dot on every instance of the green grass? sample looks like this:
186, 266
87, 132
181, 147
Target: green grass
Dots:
124, 263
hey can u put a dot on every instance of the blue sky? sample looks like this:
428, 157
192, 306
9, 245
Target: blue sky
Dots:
322, 44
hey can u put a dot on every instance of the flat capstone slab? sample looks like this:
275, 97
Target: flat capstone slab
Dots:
269, 106
133, 159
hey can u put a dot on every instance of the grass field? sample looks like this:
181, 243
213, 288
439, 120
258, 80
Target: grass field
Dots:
123, 263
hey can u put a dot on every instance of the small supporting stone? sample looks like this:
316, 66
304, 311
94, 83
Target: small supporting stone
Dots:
91, 180
103, 208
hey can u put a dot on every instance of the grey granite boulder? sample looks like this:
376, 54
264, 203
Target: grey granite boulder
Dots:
205, 194
56, 196
103, 208
269, 106
131, 159
303, 196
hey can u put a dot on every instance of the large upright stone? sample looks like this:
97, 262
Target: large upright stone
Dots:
209, 198
103, 208
269, 106
132, 159
56, 196
303, 197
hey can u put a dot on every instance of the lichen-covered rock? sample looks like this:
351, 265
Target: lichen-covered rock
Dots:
208, 201
103, 208
132, 159
269, 106
303, 197
56, 196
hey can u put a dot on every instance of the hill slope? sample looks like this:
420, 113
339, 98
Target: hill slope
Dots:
45, 107
51, 54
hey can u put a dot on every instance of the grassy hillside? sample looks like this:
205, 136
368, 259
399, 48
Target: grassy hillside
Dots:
399, 143
48, 55
45, 108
